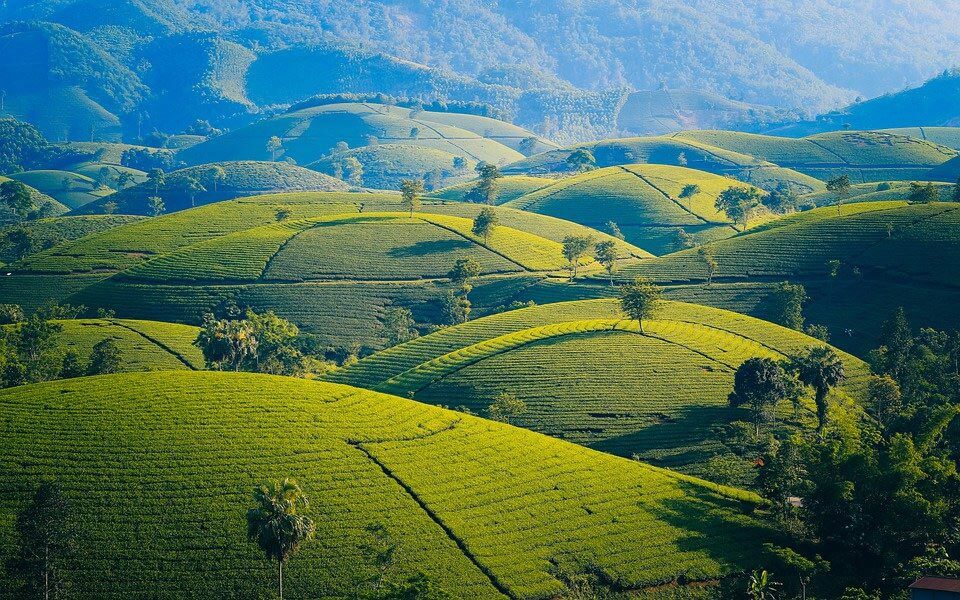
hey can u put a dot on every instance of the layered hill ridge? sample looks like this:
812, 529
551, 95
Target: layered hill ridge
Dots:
366, 459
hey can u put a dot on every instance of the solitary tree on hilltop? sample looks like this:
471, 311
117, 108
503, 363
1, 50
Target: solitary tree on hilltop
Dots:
273, 147
688, 192
46, 541
216, 175
760, 384
709, 261
276, 525
821, 369
840, 186
192, 186
639, 300
606, 254
410, 191
574, 248
485, 191
155, 205
484, 223
737, 202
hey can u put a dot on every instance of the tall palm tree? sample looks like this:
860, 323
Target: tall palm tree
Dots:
821, 369
275, 523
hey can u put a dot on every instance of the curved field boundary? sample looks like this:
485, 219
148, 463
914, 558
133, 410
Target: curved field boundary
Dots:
644, 179
687, 335
156, 342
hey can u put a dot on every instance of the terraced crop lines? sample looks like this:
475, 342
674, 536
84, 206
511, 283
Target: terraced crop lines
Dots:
176, 455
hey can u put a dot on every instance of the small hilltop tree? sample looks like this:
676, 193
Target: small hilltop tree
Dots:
216, 175
506, 407
274, 144
156, 206
158, 178
574, 248
639, 300
485, 191
688, 192
709, 261
738, 202
760, 384
17, 198
410, 191
276, 523
606, 254
821, 369
840, 186
582, 159
484, 223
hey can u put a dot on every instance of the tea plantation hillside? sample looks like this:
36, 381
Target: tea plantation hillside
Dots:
385, 166
144, 345
643, 200
944, 136
195, 186
864, 156
70, 189
53, 207
46, 233
673, 151
873, 192
588, 375
857, 266
333, 275
310, 134
509, 188
134, 451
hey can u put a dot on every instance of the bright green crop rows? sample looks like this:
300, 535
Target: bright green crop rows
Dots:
917, 241
508, 188
477, 505
146, 345
61, 229
593, 379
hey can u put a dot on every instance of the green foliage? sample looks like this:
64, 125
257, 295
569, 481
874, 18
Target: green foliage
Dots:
760, 384
738, 202
276, 523
262, 343
506, 407
411, 190
575, 247
484, 224
46, 541
820, 368
639, 300
106, 358
486, 190
924, 192
399, 325
581, 159
17, 197
605, 253
789, 299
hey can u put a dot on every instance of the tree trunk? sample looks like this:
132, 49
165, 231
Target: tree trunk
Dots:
280, 577
821, 400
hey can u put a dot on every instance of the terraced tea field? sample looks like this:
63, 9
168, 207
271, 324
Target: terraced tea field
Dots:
47, 233
509, 188
486, 510
145, 345
589, 376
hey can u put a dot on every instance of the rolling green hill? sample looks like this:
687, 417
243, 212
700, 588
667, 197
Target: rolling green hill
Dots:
71, 189
64, 84
310, 134
333, 276
873, 192
238, 179
365, 459
385, 166
944, 136
46, 233
54, 208
589, 376
509, 188
672, 151
890, 254
644, 201
663, 111
863, 155
145, 345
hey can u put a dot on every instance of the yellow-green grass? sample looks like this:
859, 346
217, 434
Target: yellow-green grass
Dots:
665, 150
486, 510
944, 136
40, 199
145, 345
509, 188
589, 376
240, 179
92, 170
70, 189
106, 152
890, 253
55, 230
310, 134
644, 201
872, 192
385, 166
865, 156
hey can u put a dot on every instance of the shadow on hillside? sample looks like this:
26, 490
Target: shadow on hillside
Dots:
681, 437
430, 247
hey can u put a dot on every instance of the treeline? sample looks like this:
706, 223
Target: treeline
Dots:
481, 109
